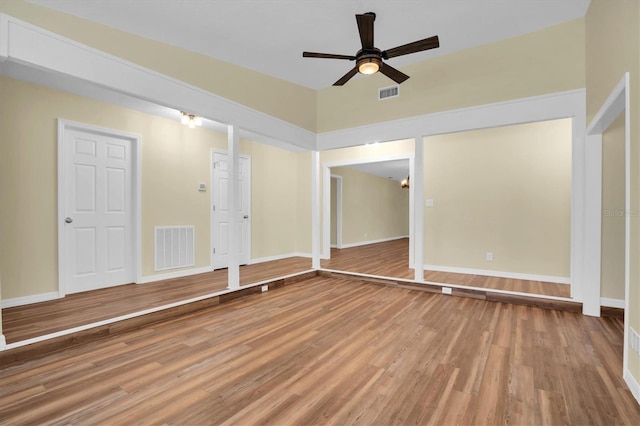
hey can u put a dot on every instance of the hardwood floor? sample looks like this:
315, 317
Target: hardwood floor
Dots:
327, 351
25, 322
391, 259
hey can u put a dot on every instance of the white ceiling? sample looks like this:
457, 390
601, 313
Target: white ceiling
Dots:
392, 169
269, 36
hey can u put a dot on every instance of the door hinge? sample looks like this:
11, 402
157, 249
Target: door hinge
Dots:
214, 207
214, 250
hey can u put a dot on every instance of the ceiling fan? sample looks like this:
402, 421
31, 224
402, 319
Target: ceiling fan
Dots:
369, 59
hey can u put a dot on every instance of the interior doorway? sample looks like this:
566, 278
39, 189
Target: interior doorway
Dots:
220, 216
96, 207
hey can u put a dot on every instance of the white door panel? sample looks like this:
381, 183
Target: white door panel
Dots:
98, 208
220, 228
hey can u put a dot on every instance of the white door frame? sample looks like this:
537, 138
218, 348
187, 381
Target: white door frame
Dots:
212, 213
617, 103
338, 210
136, 219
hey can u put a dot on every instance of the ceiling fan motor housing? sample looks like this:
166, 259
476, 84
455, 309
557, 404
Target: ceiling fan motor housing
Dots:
368, 61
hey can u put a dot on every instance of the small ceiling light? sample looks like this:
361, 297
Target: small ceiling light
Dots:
369, 64
190, 120
405, 183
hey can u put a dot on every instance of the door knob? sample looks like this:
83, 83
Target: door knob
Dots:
68, 219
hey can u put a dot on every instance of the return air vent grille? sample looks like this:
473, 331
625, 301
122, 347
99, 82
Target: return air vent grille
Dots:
174, 247
388, 92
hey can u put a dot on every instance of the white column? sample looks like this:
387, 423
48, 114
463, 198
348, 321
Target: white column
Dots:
593, 226
233, 148
417, 186
315, 209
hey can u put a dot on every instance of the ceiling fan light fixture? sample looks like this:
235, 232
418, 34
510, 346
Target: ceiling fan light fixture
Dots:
190, 120
370, 65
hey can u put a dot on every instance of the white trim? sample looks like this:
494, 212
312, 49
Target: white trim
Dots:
338, 243
3, 342
233, 167
498, 274
618, 100
28, 300
633, 384
517, 111
35, 47
416, 217
593, 225
136, 193
177, 274
278, 257
316, 248
612, 303
381, 240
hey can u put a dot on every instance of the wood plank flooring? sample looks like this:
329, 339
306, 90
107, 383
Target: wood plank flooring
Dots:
25, 322
391, 259
327, 351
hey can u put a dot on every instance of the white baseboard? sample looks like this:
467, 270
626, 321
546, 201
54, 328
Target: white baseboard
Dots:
381, 240
3, 342
27, 300
612, 303
176, 274
633, 384
499, 274
278, 257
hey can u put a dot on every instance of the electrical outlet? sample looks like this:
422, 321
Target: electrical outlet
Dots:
446, 290
489, 256
265, 288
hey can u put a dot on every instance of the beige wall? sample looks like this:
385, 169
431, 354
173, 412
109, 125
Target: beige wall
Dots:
274, 199
174, 160
504, 190
613, 48
546, 61
373, 208
303, 218
256, 90
613, 239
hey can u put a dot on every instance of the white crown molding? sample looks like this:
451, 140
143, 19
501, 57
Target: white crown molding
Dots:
27, 44
517, 111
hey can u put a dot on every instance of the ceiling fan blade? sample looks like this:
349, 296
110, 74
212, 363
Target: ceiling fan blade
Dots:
327, 56
365, 28
416, 46
346, 77
393, 73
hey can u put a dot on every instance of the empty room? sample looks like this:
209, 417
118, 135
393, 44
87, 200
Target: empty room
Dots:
285, 212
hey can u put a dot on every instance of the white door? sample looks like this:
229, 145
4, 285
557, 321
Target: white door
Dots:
220, 227
97, 211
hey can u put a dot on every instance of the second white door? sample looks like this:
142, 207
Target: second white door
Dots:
221, 213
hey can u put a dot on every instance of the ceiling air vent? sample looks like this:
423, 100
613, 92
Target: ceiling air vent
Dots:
388, 92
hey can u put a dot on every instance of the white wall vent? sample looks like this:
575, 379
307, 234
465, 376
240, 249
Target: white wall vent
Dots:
174, 247
388, 92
